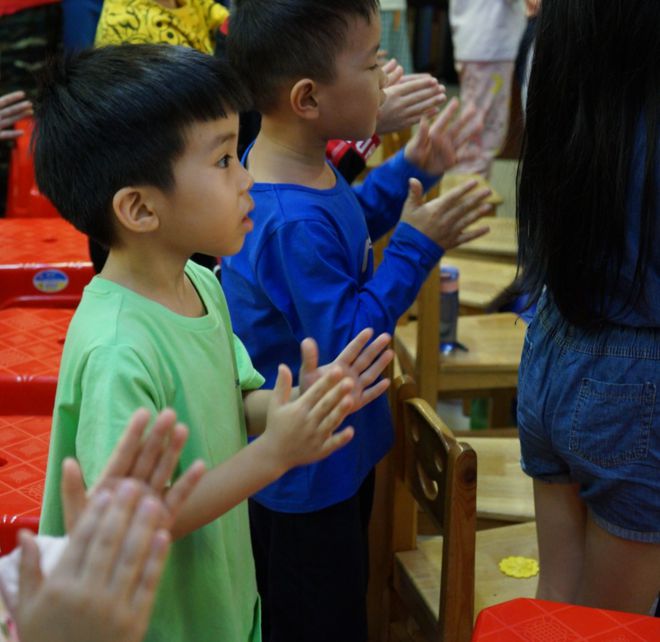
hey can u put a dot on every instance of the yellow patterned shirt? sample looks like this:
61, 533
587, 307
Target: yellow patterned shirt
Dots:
191, 24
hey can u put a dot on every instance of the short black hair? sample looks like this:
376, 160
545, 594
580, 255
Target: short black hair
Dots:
272, 41
116, 116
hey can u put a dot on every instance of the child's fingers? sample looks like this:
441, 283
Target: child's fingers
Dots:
336, 441
424, 104
445, 117
8, 99
183, 487
415, 197
376, 369
465, 237
74, 496
125, 452
16, 111
369, 394
152, 449
309, 355
466, 207
465, 127
169, 458
145, 591
134, 546
30, 576
109, 534
76, 552
355, 347
452, 197
10, 134
283, 383
371, 352
329, 411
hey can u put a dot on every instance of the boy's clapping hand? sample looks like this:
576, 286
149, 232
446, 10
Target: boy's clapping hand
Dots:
103, 587
303, 431
444, 219
149, 461
436, 146
360, 360
407, 98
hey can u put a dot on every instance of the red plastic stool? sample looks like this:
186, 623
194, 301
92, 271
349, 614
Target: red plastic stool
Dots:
23, 196
31, 341
25, 420
527, 620
43, 262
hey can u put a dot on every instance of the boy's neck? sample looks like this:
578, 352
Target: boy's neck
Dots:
289, 151
155, 276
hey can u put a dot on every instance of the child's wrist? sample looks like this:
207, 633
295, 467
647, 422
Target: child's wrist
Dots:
273, 463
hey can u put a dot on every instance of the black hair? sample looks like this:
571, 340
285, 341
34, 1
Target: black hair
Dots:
594, 87
116, 116
272, 41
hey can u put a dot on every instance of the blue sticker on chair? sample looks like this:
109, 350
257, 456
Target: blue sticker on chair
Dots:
50, 281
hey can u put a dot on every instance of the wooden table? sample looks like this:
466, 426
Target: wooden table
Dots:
480, 281
494, 345
500, 244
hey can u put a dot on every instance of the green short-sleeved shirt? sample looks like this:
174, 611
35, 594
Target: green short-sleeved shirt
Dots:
124, 351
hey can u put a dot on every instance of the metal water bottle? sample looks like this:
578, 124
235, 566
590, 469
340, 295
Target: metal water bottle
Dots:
448, 308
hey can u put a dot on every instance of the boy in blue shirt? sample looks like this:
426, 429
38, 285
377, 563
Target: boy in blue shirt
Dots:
136, 146
308, 270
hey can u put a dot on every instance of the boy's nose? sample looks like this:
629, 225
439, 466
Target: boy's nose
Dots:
247, 181
382, 79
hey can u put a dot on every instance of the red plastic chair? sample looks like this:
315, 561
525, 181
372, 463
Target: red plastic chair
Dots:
31, 342
527, 620
43, 262
23, 196
25, 419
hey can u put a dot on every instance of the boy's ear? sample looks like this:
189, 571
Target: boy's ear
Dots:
134, 208
303, 98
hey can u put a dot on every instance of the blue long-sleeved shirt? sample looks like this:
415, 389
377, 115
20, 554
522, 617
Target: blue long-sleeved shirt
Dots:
307, 270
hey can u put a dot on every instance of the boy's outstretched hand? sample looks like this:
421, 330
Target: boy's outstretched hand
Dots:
360, 360
303, 431
444, 219
103, 587
436, 146
407, 98
149, 461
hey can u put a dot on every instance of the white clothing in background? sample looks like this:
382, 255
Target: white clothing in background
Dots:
486, 30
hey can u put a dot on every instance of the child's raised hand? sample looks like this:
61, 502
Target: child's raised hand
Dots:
360, 360
104, 585
407, 98
303, 431
13, 107
150, 461
436, 146
445, 218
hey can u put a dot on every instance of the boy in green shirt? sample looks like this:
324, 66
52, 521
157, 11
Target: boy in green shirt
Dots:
136, 146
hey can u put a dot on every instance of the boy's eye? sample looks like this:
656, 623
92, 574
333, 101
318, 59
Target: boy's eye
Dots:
374, 67
223, 163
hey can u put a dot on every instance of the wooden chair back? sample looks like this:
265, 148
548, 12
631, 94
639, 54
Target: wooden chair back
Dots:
441, 475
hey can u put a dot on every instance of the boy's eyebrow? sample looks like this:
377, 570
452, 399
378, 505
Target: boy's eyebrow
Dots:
221, 139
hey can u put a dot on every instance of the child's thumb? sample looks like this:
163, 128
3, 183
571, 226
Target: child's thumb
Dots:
29, 571
415, 193
283, 383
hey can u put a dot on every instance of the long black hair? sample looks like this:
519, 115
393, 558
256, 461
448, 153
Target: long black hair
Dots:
595, 84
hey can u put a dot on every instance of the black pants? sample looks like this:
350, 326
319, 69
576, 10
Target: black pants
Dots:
312, 570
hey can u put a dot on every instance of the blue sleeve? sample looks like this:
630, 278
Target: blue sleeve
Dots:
384, 192
305, 271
